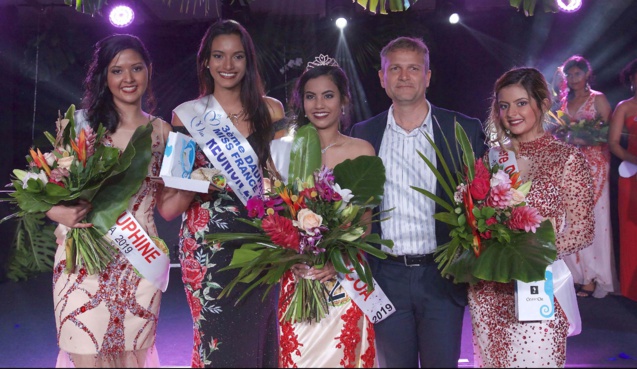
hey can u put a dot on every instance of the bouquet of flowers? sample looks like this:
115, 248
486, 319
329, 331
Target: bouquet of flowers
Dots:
82, 166
317, 217
495, 235
583, 132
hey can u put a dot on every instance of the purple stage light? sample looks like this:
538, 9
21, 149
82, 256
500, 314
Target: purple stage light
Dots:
121, 16
569, 6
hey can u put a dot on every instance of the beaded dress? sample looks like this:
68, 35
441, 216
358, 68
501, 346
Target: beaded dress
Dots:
561, 191
110, 319
595, 263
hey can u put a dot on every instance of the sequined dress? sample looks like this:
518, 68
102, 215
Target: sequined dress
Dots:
344, 338
628, 220
110, 319
225, 335
595, 263
561, 181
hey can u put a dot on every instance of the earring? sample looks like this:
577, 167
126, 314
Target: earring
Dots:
306, 115
343, 110
632, 88
508, 133
207, 67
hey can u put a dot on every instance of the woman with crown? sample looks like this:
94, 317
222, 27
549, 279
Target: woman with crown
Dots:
345, 337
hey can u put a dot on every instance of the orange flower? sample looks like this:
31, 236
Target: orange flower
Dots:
515, 180
80, 147
40, 161
473, 224
294, 202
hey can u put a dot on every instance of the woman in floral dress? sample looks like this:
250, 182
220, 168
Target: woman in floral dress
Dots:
592, 268
562, 191
110, 319
345, 337
226, 333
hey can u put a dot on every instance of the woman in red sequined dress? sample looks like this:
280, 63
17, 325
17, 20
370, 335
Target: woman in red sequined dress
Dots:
592, 268
562, 191
345, 337
110, 319
625, 119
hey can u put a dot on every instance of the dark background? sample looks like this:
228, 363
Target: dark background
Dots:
44, 51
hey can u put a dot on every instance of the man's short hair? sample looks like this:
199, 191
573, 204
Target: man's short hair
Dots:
406, 43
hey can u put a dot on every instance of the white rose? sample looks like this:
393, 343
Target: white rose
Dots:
307, 219
65, 162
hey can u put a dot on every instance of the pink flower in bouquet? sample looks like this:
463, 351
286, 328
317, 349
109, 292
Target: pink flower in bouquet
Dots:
282, 231
500, 196
256, 207
525, 218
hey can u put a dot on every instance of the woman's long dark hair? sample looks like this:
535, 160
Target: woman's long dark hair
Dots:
334, 73
252, 87
98, 99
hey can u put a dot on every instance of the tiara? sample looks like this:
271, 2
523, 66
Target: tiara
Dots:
322, 60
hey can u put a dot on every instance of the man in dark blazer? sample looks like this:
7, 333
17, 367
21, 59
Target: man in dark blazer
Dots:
426, 327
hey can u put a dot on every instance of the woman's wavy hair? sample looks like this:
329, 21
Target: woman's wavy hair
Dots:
336, 75
98, 99
252, 87
535, 85
581, 63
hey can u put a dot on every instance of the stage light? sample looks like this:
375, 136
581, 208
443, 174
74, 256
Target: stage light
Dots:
454, 18
341, 22
121, 16
569, 6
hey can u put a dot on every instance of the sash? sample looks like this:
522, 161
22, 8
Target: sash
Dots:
140, 250
223, 145
564, 288
375, 305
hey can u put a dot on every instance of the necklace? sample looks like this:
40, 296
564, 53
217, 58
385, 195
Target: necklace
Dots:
234, 118
327, 147
330, 145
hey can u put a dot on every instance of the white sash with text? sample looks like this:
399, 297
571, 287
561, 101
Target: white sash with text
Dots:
223, 145
140, 250
375, 305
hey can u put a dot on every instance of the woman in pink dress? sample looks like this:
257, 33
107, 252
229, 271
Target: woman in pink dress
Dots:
592, 268
562, 191
110, 319
625, 118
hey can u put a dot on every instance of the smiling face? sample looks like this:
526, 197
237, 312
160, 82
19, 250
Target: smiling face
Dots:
404, 76
322, 102
519, 113
227, 63
127, 77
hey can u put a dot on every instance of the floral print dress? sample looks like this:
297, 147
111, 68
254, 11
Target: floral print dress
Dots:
226, 333
561, 190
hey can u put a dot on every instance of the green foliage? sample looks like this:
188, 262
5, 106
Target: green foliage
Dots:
305, 156
33, 248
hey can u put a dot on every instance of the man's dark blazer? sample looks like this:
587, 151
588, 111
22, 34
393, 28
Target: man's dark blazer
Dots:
372, 131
